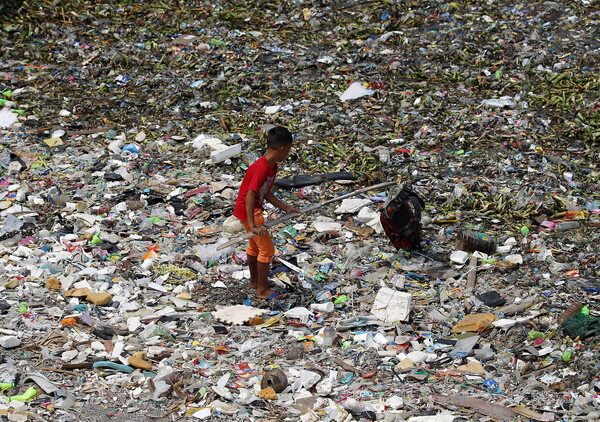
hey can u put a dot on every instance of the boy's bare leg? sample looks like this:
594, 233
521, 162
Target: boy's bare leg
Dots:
253, 266
263, 291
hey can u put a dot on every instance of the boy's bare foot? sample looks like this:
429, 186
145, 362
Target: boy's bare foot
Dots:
269, 294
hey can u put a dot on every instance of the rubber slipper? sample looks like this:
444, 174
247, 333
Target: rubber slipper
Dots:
275, 295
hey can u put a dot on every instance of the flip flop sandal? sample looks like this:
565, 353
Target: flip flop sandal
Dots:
275, 295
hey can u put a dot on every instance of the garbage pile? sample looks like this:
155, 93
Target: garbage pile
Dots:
125, 131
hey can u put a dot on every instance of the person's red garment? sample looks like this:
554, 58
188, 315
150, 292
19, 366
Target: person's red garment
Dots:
260, 178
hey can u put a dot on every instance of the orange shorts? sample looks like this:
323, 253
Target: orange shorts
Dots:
260, 246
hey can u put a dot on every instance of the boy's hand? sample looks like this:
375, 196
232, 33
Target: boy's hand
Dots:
259, 230
288, 209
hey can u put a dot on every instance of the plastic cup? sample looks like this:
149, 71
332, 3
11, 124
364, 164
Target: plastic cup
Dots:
322, 307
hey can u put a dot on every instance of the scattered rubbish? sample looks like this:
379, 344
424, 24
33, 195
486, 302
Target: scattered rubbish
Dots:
444, 266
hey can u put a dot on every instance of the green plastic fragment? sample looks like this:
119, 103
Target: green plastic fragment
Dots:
6, 385
161, 331
532, 335
288, 231
26, 396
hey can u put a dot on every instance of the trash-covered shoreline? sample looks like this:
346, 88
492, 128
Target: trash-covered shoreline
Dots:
125, 131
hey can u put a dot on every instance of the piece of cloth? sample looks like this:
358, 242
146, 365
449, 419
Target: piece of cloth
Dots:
261, 247
260, 178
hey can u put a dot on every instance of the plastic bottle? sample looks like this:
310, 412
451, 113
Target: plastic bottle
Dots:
329, 335
471, 241
566, 225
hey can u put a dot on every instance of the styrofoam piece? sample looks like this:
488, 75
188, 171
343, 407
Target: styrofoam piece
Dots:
417, 356
503, 248
225, 153
203, 413
480, 255
7, 118
376, 225
299, 312
356, 90
366, 214
203, 140
272, 109
326, 226
351, 205
514, 259
309, 378
237, 314
391, 305
116, 146
395, 402
504, 323
460, 257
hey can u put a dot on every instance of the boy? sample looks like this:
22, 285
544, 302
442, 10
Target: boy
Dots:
255, 188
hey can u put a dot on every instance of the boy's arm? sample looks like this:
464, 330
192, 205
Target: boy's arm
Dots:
250, 201
270, 197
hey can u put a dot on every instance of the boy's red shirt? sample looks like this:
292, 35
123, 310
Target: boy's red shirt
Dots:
260, 178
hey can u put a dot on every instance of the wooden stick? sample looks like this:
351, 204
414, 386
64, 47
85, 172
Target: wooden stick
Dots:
304, 211
471, 279
62, 371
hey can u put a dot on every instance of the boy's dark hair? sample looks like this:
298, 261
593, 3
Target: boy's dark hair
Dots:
278, 137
